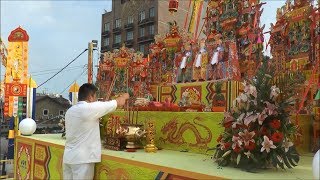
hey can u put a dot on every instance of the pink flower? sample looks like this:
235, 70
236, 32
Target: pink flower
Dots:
247, 137
262, 116
228, 117
248, 154
246, 86
250, 118
243, 98
254, 102
267, 144
224, 146
252, 91
249, 89
239, 121
242, 101
274, 93
287, 144
271, 109
237, 142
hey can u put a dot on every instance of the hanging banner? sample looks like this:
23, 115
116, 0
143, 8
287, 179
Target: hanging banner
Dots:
15, 89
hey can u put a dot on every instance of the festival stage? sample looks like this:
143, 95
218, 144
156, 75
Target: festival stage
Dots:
40, 157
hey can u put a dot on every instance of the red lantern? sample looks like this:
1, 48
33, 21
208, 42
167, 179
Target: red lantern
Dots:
173, 6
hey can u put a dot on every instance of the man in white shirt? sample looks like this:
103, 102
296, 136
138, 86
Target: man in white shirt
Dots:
83, 144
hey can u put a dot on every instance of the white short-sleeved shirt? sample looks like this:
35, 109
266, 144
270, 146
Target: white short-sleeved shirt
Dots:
83, 144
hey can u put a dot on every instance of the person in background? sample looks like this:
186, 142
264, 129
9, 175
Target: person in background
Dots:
83, 144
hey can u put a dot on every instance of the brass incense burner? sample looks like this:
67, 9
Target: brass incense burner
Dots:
133, 133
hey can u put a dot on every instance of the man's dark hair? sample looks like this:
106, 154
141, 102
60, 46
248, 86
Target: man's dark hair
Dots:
86, 90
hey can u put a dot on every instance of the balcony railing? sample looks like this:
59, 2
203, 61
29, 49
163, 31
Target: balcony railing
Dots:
117, 30
106, 33
146, 21
129, 43
116, 46
105, 48
146, 38
128, 26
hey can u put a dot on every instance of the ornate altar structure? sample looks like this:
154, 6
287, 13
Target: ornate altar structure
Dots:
235, 37
123, 70
163, 53
294, 45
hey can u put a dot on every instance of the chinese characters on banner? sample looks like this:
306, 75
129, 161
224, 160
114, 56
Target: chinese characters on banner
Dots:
15, 99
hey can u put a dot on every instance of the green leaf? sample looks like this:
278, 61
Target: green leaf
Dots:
280, 162
285, 160
274, 161
296, 158
211, 149
226, 153
253, 158
238, 158
291, 162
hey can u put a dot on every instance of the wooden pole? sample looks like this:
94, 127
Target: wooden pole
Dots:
90, 63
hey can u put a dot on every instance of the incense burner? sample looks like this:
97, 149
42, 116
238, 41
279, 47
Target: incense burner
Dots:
133, 134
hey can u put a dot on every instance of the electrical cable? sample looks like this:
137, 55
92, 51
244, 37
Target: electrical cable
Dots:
84, 70
62, 68
45, 73
49, 70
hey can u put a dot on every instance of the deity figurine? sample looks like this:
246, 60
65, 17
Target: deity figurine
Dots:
185, 64
185, 100
200, 63
138, 68
216, 57
16, 70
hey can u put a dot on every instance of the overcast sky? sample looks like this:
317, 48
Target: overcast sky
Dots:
60, 30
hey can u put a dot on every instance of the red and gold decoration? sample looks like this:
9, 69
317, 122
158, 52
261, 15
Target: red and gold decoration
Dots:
150, 133
41, 161
113, 131
24, 161
294, 45
16, 76
234, 37
121, 71
173, 6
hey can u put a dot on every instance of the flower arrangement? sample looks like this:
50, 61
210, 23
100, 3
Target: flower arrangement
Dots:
258, 130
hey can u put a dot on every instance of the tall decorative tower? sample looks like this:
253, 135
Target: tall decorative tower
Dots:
233, 28
16, 76
17, 60
294, 45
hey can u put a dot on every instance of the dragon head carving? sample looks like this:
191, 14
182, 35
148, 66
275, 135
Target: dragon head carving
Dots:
172, 124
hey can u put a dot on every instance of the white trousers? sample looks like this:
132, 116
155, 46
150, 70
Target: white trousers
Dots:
78, 171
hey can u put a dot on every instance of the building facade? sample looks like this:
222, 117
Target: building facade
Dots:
49, 110
135, 22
